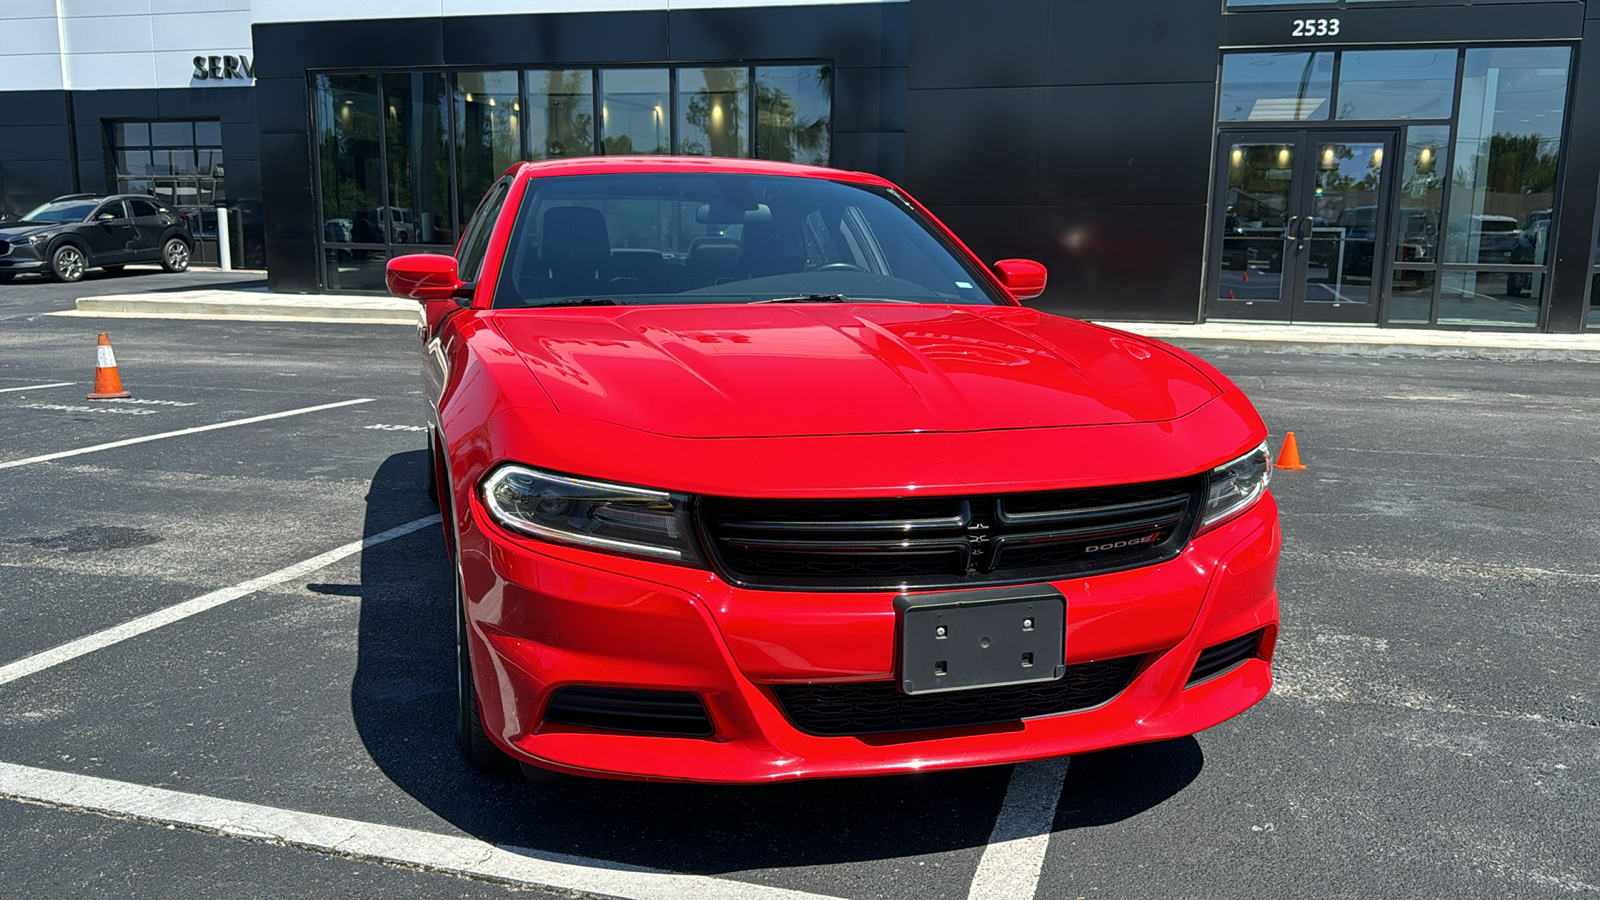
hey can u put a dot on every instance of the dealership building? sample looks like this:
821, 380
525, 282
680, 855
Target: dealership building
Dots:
1395, 163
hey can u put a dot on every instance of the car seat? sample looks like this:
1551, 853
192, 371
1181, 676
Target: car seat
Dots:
576, 247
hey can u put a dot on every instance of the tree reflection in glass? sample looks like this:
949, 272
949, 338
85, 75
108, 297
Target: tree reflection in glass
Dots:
560, 113
713, 107
793, 113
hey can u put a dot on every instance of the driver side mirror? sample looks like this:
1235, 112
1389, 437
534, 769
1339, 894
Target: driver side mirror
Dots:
105, 217
424, 277
1024, 278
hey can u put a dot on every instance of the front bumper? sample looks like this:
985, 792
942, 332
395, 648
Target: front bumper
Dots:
21, 258
541, 617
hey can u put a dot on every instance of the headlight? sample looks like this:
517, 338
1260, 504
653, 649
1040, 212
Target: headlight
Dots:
1232, 488
37, 239
616, 518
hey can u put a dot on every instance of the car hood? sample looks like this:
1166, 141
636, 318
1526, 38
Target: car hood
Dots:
10, 231
772, 370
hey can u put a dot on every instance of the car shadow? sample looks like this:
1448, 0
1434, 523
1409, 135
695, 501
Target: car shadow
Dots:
403, 697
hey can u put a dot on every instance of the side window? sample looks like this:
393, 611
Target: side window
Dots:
115, 208
142, 208
469, 259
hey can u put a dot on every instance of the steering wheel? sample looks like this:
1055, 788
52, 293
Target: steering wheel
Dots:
839, 267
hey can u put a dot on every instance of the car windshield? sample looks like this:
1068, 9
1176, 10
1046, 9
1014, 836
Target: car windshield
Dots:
649, 239
63, 211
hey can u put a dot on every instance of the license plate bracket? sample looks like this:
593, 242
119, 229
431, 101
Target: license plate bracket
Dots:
962, 640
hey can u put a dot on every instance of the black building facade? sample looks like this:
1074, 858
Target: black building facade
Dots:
1395, 163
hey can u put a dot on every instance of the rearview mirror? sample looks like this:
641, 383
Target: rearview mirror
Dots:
1024, 278
105, 217
423, 277
723, 214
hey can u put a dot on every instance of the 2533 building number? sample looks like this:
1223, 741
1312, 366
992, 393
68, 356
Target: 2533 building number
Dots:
1314, 27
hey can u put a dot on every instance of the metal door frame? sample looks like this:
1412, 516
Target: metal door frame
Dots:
1291, 306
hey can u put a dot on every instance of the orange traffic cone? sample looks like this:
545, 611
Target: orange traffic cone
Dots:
1246, 276
107, 383
1289, 456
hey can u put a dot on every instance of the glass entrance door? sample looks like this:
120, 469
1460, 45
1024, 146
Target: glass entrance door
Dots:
1299, 229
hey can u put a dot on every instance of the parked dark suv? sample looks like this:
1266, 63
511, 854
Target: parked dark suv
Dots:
69, 235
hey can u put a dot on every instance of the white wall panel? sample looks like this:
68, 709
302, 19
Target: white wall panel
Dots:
74, 9
322, 10
107, 34
201, 32
29, 37
110, 71
28, 9
198, 6
40, 72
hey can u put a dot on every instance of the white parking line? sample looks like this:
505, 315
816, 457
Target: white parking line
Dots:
1010, 867
38, 387
65, 407
11, 464
151, 621
373, 842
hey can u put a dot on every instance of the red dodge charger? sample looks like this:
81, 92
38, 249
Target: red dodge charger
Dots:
753, 471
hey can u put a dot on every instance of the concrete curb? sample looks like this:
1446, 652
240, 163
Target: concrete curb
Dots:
1339, 340
249, 306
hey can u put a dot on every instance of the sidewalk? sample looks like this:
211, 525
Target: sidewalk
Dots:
249, 306
1359, 340
1242, 337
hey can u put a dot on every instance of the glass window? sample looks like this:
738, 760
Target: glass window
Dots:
349, 156
794, 106
470, 257
1422, 176
172, 134
713, 109
1507, 144
143, 208
208, 134
1396, 84
1594, 303
560, 113
132, 134
354, 269
674, 238
133, 163
634, 110
1275, 86
417, 129
488, 136
1490, 298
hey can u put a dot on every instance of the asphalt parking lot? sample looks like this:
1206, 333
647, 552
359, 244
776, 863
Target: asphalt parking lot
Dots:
276, 718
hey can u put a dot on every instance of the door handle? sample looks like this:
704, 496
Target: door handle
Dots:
1288, 228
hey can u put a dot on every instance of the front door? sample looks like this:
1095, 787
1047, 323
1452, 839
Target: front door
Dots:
1298, 231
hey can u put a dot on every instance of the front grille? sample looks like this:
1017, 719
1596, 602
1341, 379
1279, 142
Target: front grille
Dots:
1219, 658
641, 712
877, 707
5, 248
946, 542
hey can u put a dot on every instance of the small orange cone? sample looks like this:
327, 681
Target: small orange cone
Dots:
107, 383
1289, 456
1246, 276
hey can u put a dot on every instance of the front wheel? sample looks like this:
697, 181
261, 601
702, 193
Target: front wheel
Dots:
480, 752
175, 255
68, 263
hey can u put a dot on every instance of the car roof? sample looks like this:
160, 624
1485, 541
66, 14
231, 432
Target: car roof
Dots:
605, 165
101, 197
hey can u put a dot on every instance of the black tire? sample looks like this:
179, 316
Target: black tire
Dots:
68, 262
479, 751
175, 255
113, 269
432, 487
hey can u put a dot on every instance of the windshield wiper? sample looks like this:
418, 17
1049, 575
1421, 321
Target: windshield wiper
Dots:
831, 298
587, 301
811, 298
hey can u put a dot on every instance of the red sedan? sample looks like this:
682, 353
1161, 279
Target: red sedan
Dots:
753, 471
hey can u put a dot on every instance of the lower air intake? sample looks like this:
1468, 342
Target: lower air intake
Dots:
640, 712
878, 707
1219, 658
